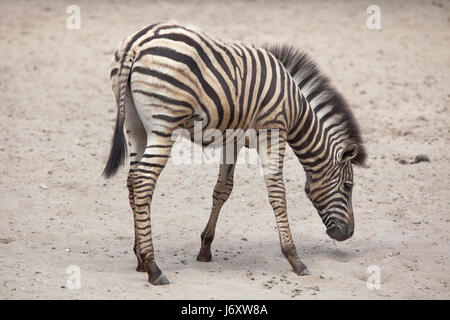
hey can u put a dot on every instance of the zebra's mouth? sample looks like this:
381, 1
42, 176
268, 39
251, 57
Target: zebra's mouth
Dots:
338, 231
334, 229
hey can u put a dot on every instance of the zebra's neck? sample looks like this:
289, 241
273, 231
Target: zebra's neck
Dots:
310, 138
323, 121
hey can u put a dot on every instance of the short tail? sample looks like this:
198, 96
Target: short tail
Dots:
118, 145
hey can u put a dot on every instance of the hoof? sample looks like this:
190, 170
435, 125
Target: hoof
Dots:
297, 265
159, 281
305, 272
155, 276
302, 271
204, 256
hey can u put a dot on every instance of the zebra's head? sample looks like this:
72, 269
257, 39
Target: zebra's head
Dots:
330, 191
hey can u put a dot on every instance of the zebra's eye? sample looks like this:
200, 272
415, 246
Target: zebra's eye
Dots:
347, 186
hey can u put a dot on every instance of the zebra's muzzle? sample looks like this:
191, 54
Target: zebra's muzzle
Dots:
339, 232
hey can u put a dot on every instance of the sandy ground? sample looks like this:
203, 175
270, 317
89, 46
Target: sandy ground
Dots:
57, 114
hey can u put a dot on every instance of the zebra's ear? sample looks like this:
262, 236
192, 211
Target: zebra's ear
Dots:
347, 153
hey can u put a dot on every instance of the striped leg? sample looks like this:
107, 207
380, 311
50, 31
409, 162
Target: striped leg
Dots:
144, 180
133, 167
273, 175
136, 140
222, 191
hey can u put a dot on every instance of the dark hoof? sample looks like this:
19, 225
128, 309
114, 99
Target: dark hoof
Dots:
155, 276
204, 256
159, 281
302, 271
305, 272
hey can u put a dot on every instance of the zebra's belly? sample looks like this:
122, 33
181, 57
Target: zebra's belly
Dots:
203, 132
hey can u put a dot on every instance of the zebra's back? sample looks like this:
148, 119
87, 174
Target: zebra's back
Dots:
185, 75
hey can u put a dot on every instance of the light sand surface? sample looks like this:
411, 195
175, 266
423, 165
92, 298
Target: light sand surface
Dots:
57, 113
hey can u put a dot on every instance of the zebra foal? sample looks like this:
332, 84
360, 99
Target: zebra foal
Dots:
167, 76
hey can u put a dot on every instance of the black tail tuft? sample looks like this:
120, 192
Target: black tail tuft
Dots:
118, 149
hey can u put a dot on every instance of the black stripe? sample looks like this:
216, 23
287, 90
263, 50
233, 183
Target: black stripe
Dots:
155, 156
243, 84
162, 134
165, 99
252, 84
169, 118
273, 84
262, 80
151, 164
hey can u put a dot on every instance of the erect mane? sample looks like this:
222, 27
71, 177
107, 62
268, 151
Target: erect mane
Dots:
319, 92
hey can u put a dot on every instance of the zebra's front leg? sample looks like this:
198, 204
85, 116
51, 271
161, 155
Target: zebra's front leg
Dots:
273, 175
145, 176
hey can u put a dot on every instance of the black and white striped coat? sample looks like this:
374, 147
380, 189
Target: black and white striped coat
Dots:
167, 76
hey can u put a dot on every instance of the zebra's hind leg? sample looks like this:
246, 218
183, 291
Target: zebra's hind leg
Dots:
147, 172
272, 160
140, 267
136, 137
222, 191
